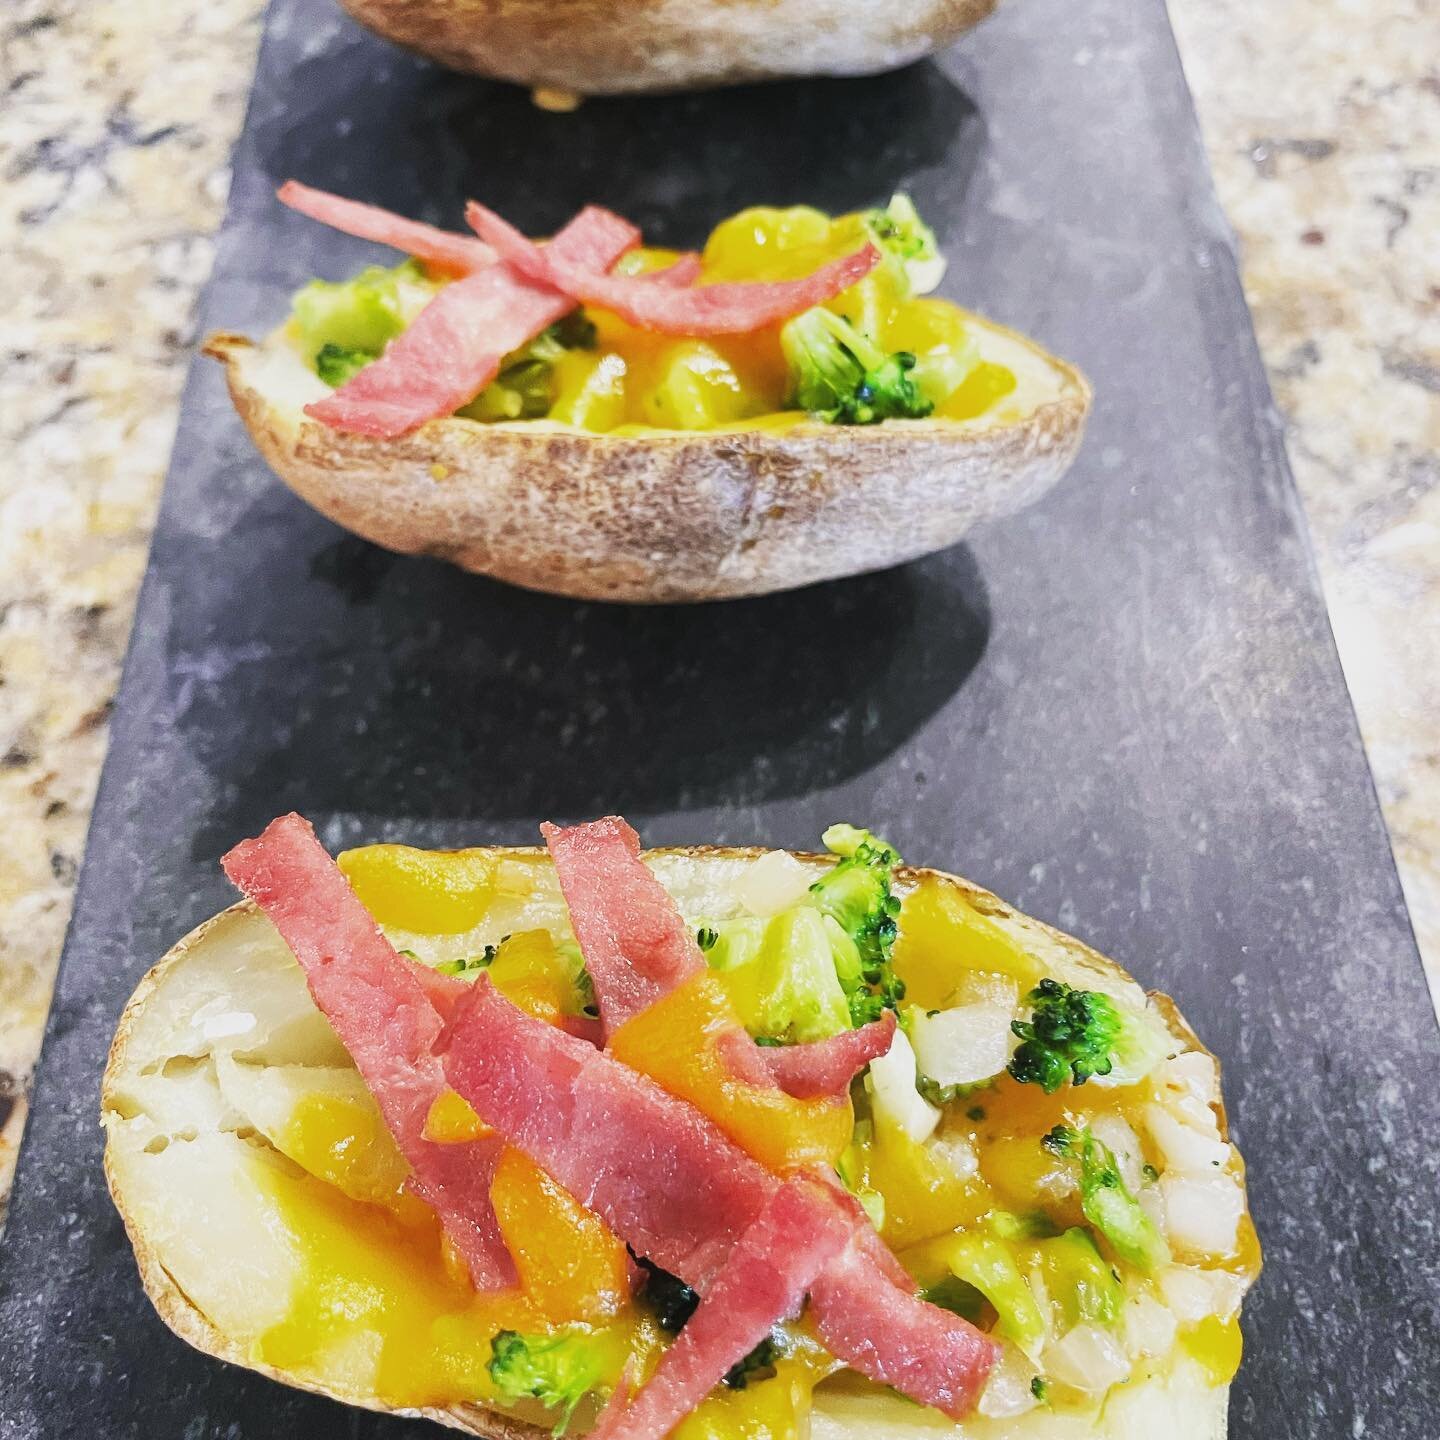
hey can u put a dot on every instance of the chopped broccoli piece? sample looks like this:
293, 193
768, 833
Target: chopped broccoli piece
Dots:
558, 1370
956, 1296
1107, 1204
1071, 1035
988, 1264
1036, 1225
468, 964
342, 326
781, 974
1040, 1388
525, 387
856, 894
335, 364
840, 375
759, 1364
908, 242
1076, 1035
1077, 1278
674, 1302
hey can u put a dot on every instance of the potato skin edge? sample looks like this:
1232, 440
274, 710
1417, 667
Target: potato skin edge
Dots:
674, 517
596, 47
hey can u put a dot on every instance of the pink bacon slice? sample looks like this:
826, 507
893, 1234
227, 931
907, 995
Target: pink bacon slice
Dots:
681, 1194
441, 250
661, 1175
635, 943
456, 344
384, 1017
797, 1234
814, 1068
735, 308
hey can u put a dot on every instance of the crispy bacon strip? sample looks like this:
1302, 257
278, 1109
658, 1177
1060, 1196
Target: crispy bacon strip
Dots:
441, 250
455, 346
797, 1234
384, 1018
826, 1067
636, 945
736, 308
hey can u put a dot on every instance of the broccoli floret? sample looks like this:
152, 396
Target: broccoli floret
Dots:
1106, 1202
1040, 1389
1071, 1035
907, 240
856, 894
1077, 1035
557, 1370
841, 376
781, 973
343, 326
335, 364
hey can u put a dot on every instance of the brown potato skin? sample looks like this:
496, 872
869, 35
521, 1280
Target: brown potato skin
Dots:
613, 47
670, 517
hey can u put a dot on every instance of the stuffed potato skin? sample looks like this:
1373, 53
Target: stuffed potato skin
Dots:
595, 47
159, 1026
667, 516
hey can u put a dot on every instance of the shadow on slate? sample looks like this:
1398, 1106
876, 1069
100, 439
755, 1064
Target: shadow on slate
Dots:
672, 164
450, 676
1122, 709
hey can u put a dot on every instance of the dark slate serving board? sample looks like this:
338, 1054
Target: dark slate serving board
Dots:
1121, 710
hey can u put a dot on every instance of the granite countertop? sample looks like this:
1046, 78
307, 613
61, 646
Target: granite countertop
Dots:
1324, 131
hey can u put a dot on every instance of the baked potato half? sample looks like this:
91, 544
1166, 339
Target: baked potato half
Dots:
245, 1157
667, 516
589, 47
607, 421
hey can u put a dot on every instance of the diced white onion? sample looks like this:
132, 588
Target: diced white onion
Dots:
965, 1045
775, 882
1192, 1295
891, 1082
1202, 1213
1122, 1142
1149, 1327
1008, 1392
1185, 1149
1088, 1358
1194, 1073
1152, 1202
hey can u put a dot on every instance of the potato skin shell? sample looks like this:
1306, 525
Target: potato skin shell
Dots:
606, 47
191, 1325
671, 517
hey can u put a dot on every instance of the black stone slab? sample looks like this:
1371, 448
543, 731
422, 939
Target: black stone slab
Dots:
1121, 710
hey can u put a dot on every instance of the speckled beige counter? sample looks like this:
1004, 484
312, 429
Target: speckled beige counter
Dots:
1324, 129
